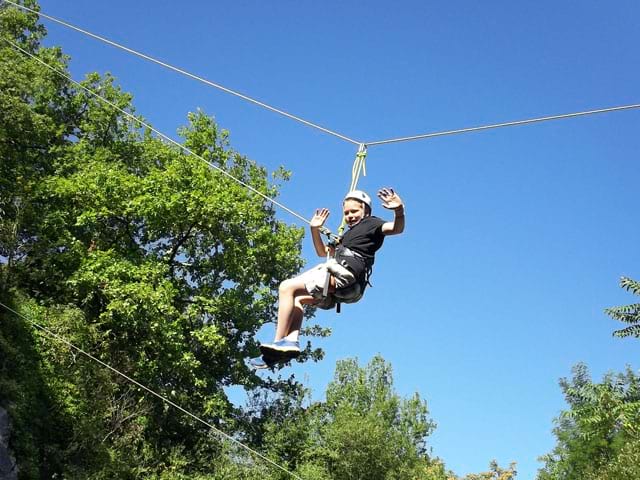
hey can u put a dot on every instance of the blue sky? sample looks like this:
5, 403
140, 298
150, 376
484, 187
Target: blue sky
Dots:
516, 238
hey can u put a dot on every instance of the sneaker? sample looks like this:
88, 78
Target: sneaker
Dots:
288, 346
258, 363
280, 346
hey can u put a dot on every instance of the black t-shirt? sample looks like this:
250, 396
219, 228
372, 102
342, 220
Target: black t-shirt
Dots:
365, 239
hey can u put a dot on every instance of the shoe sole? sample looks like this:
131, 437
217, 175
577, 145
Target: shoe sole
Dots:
259, 366
272, 357
269, 349
271, 362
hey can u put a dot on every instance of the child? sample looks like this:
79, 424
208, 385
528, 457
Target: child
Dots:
351, 267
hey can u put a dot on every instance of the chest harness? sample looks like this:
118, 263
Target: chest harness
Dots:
353, 292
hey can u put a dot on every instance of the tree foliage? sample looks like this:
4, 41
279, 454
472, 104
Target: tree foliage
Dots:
362, 430
133, 251
629, 314
495, 473
603, 422
624, 465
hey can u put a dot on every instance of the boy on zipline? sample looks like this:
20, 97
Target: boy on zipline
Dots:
349, 268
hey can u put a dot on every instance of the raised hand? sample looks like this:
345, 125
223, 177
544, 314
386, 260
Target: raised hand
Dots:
389, 198
319, 218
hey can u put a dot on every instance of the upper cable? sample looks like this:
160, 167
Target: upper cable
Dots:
311, 124
186, 73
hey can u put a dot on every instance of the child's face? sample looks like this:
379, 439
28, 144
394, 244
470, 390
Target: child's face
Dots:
353, 211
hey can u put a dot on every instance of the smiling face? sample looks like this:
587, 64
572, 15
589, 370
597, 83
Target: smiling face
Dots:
354, 211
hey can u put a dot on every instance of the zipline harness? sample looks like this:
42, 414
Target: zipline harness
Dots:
351, 293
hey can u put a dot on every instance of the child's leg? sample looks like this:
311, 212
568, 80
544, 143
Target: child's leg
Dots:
288, 308
293, 294
295, 323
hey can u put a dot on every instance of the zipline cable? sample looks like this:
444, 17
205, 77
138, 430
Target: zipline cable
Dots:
326, 130
159, 133
149, 390
186, 73
505, 124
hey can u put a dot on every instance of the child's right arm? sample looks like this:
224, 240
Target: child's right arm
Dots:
317, 221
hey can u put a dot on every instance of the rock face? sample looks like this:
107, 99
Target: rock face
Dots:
8, 467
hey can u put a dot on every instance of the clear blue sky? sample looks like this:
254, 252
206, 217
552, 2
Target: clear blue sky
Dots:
516, 238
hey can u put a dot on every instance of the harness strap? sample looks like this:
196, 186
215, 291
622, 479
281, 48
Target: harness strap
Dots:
327, 279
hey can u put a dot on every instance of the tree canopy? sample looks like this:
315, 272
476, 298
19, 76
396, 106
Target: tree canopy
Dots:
600, 433
598, 438
133, 251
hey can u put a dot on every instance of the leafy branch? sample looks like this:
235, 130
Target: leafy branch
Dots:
629, 314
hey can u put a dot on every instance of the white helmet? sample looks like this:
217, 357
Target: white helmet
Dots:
358, 195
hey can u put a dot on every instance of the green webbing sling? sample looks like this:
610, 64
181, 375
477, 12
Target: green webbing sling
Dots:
359, 165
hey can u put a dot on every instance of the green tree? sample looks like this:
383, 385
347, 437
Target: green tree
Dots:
435, 470
362, 430
367, 430
494, 473
625, 465
134, 251
29, 125
629, 314
603, 419
30, 128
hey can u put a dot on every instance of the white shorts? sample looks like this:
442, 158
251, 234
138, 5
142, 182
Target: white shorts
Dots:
315, 278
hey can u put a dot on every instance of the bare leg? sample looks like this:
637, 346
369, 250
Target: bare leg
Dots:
295, 323
291, 292
292, 297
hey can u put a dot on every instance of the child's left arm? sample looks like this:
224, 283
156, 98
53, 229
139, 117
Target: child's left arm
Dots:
392, 201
